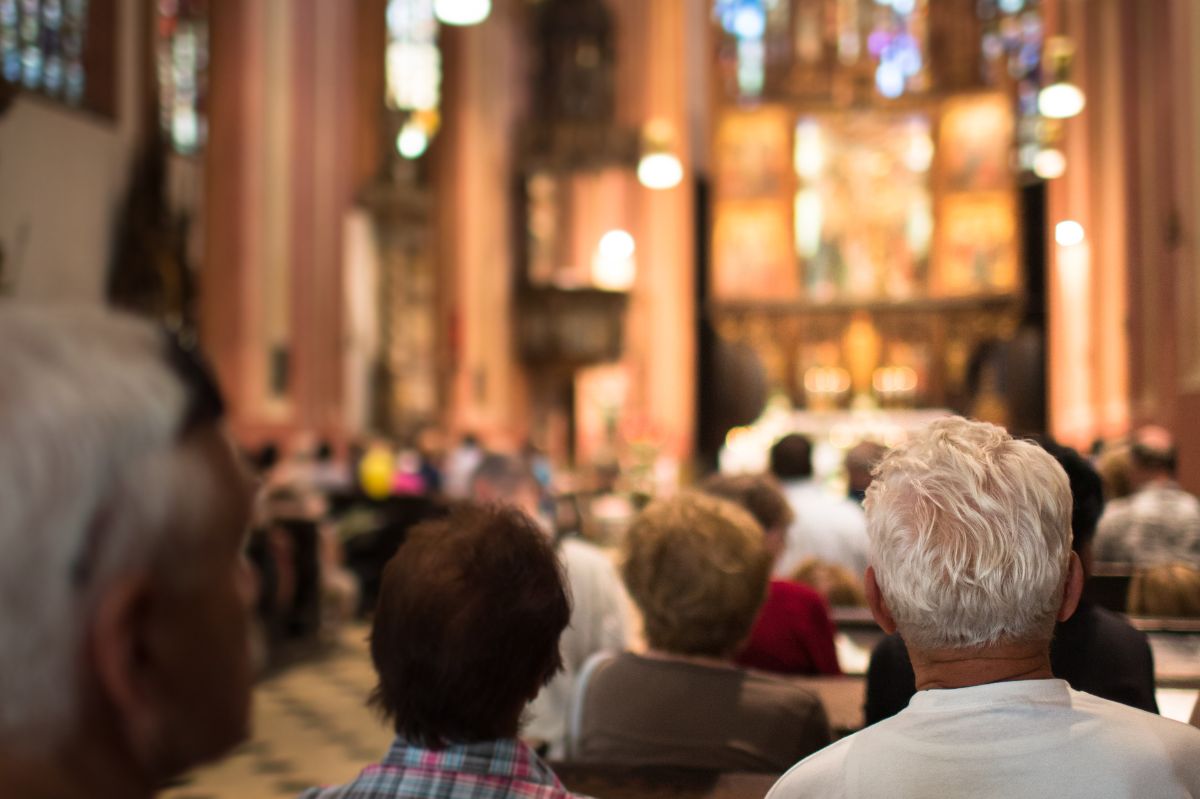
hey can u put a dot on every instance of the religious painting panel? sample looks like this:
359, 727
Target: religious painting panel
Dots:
863, 212
975, 136
753, 157
977, 245
752, 258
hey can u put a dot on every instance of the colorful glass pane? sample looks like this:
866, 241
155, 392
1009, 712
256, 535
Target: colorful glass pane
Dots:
182, 56
1013, 41
41, 46
414, 63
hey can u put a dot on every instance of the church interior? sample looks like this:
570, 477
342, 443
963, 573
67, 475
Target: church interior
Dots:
634, 243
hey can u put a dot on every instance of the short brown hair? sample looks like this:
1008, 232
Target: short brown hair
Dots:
1170, 590
696, 567
467, 626
757, 493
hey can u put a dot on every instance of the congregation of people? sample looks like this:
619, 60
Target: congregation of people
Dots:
150, 570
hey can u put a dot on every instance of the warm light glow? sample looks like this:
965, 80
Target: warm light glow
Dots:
826, 380
809, 155
891, 381
617, 244
918, 156
1049, 164
809, 219
1060, 100
613, 267
462, 12
412, 141
660, 171
1069, 233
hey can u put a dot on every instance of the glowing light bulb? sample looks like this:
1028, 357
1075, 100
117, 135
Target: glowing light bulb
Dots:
1060, 100
613, 267
617, 244
659, 170
1049, 164
1069, 233
462, 12
412, 141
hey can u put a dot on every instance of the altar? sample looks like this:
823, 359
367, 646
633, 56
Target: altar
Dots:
867, 234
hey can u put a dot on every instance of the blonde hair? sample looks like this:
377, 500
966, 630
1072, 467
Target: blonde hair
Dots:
1115, 465
970, 535
1171, 590
697, 569
840, 587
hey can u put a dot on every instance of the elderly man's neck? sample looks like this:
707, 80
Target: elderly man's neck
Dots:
67, 776
962, 668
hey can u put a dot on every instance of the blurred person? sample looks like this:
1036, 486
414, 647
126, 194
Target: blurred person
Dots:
1160, 522
598, 616
793, 633
294, 512
461, 463
697, 569
1171, 590
836, 585
1115, 464
860, 460
1095, 650
466, 632
124, 623
825, 526
971, 562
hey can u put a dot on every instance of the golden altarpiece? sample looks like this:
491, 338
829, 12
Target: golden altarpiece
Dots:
865, 221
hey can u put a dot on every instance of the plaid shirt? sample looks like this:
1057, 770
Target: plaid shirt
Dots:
505, 768
1158, 524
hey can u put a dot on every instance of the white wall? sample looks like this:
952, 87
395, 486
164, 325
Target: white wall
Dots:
63, 175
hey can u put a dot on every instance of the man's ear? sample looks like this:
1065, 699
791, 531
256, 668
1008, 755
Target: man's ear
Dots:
1073, 589
879, 608
120, 652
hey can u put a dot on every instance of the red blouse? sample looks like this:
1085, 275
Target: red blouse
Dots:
793, 634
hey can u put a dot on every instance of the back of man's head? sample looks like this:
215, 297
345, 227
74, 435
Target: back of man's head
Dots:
756, 493
113, 472
970, 536
506, 478
1153, 451
467, 627
1087, 493
85, 403
860, 460
791, 457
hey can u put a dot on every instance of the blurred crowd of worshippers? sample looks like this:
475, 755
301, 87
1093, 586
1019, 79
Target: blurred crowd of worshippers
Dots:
521, 616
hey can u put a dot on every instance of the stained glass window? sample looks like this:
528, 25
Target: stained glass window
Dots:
1013, 40
749, 25
898, 32
42, 46
182, 56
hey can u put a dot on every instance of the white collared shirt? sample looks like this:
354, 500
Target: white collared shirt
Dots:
1026, 738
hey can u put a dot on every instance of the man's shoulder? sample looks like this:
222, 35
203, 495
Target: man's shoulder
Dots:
823, 773
1131, 719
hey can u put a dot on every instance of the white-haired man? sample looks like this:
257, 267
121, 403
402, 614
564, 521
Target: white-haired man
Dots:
123, 590
971, 560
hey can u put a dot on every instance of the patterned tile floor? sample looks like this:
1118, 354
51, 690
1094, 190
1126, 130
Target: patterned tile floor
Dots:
311, 727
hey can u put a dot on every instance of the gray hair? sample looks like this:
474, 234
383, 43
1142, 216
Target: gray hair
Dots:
89, 416
970, 535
